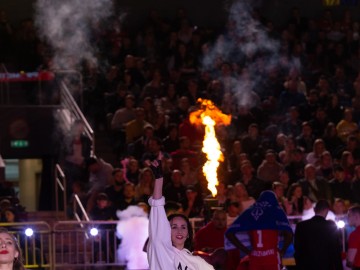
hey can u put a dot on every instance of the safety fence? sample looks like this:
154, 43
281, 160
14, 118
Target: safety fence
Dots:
77, 244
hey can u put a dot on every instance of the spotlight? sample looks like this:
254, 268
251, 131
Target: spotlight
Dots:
340, 224
94, 231
29, 232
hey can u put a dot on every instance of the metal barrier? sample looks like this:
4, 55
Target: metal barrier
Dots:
36, 249
78, 246
74, 245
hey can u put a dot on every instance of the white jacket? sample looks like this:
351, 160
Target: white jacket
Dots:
162, 255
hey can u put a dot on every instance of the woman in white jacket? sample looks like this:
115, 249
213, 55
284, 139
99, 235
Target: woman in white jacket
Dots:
169, 239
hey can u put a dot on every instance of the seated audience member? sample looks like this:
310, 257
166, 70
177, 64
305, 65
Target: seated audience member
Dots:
355, 186
242, 196
216, 228
233, 210
182, 152
115, 190
175, 190
154, 151
128, 197
100, 175
278, 189
188, 174
296, 165
339, 187
212, 248
347, 126
172, 141
193, 205
325, 167
339, 207
221, 195
314, 156
141, 144
314, 187
135, 128
269, 169
133, 171
296, 199
253, 185
103, 211
145, 186
348, 164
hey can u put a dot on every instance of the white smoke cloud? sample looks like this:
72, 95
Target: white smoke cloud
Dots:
68, 26
247, 43
132, 229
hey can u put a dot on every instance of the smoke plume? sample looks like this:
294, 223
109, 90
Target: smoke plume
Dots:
246, 43
68, 26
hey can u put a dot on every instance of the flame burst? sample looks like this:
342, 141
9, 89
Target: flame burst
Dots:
209, 116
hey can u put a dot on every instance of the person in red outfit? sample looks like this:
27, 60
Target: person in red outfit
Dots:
353, 253
261, 225
216, 229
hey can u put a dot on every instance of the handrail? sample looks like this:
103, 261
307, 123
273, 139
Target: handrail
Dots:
60, 182
77, 202
69, 103
77, 73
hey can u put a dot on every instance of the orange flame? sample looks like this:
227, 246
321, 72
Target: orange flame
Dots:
209, 115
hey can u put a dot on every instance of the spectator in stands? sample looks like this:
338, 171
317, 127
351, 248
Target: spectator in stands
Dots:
100, 175
145, 186
339, 187
141, 145
292, 124
13, 259
355, 186
154, 151
184, 151
175, 190
253, 185
314, 187
133, 171
339, 207
347, 126
123, 115
188, 174
216, 228
251, 141
296, 166
296, 199
103, 211
77, 149
347, 163
128, 196
242, 196
134, 129
150, 110
269, 169
171, 142
331, 139
115, 190
325, 167
212, 248
314, 156
319, 123
193, 205
278, 189
306, 138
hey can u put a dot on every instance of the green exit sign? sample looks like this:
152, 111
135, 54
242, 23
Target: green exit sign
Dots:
19, 144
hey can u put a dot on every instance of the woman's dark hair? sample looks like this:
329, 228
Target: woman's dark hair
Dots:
189, 241
18, 262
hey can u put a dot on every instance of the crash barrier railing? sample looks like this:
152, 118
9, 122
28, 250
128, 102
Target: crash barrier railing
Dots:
86, 243
78, 245
35, 242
